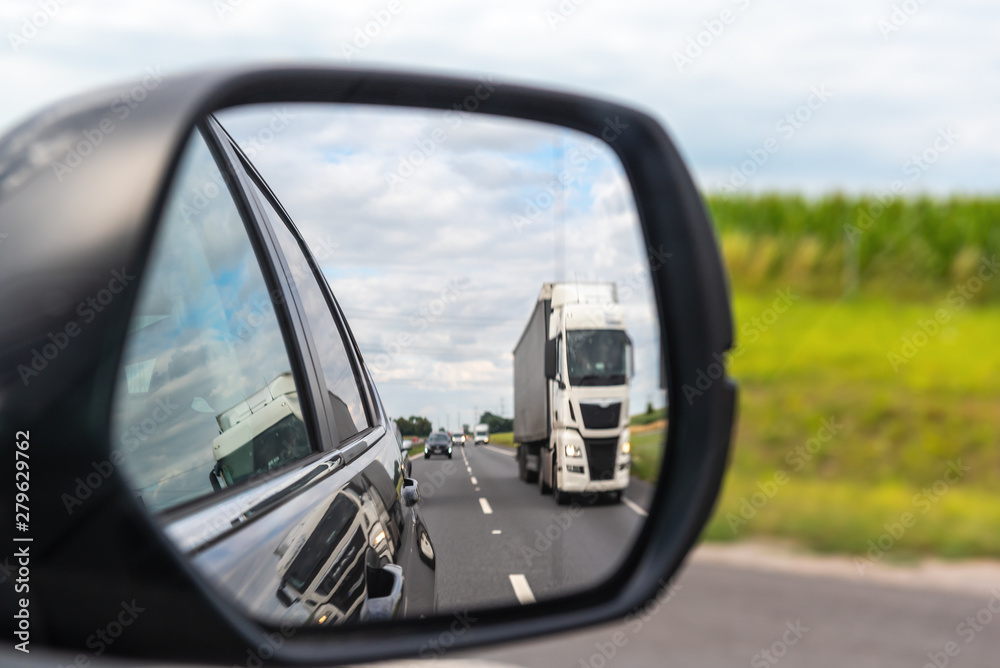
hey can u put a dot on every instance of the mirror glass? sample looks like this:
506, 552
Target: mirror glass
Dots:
454, 401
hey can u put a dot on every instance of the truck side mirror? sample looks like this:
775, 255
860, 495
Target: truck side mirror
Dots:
631, 358
551, 361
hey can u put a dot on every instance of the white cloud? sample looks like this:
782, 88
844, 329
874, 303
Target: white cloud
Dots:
436, 280
891, 91
891, 95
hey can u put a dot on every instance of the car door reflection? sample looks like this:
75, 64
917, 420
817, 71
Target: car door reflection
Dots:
331, 559
322, 559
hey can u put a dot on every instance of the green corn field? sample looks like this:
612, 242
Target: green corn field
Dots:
839, 246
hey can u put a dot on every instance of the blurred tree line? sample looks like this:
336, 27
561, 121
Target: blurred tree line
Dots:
414, 426
497, 424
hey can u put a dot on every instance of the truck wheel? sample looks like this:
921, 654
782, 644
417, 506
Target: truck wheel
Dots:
542, 487
616, 497
562, 498
522, 466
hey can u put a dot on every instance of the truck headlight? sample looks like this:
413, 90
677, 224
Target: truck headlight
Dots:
626, 448
573, 450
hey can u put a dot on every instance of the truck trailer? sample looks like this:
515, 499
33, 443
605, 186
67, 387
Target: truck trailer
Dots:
572, 369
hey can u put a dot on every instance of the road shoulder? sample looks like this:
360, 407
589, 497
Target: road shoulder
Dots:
979, 577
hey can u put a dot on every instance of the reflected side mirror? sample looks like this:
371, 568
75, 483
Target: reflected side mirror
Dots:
552, 362
411, 492
631, 358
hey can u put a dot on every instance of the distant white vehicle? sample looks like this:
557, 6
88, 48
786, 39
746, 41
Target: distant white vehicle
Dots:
482, 433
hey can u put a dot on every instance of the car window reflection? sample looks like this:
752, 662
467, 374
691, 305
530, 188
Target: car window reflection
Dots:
345, 396
206, 399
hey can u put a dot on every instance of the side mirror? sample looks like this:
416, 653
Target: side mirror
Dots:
411, 492
202, 333
551, 359
631, 358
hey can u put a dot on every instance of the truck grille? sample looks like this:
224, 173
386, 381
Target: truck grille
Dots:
601, 456
598, 417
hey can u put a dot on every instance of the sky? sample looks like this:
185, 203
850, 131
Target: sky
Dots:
436, 233
721, 75
760, 95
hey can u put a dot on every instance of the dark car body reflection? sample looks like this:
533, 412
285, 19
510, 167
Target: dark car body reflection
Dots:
313, 562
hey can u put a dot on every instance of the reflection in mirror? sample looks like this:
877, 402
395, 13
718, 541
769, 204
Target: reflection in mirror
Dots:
476, 321
206, 399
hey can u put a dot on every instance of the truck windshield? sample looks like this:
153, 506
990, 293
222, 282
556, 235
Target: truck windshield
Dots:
280, 444
597, 356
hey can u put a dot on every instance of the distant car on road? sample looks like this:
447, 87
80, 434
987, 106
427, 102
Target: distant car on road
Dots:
458, 438
438, 443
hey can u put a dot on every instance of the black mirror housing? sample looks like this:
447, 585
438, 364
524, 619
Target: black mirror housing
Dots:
87, 561
551, 360
411, 491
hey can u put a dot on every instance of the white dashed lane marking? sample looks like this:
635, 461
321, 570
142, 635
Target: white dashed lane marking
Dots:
521, 588
634, 507
485, 505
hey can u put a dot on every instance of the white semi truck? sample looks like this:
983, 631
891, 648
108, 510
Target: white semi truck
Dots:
572, 368
258, 434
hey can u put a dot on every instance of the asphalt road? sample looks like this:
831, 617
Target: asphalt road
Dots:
717, 615
499, 541
723, 616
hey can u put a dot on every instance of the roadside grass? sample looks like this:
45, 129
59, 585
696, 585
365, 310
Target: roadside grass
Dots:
862, 519
644, 419
859, 440
829, 360
647, 454
505, 439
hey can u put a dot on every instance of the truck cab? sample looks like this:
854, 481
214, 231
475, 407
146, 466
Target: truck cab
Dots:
585, 444
259, 434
